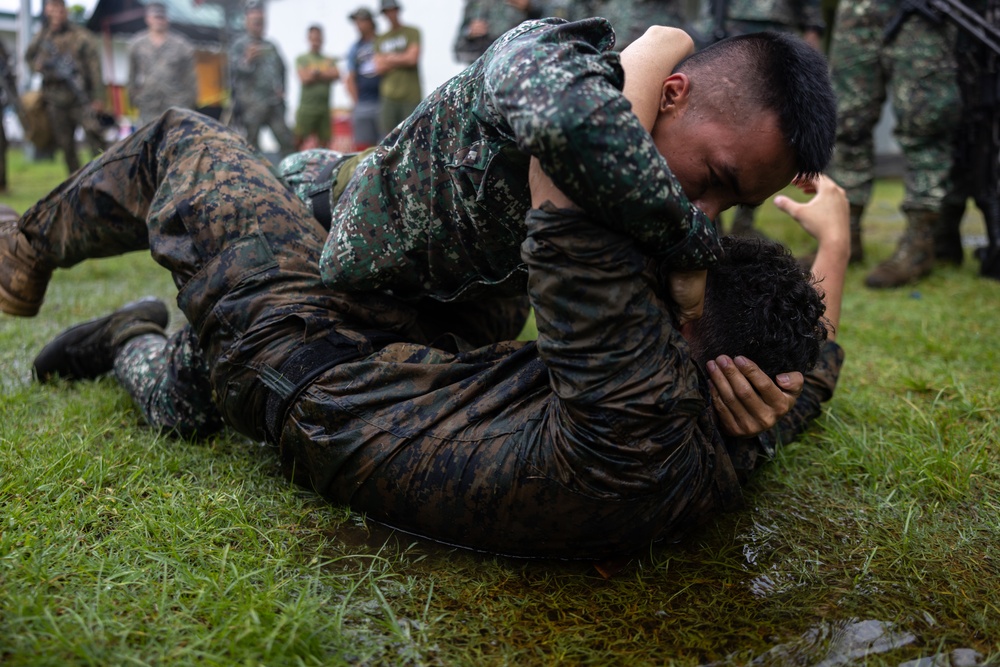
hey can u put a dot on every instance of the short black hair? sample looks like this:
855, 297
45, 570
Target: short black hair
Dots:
780, 73
761, 304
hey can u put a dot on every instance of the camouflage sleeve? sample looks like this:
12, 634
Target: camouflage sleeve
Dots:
620, 369
31, 53
560, 97
819, 387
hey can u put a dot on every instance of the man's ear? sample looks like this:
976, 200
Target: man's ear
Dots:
675, 93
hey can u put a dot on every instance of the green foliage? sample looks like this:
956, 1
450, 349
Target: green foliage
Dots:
121, 546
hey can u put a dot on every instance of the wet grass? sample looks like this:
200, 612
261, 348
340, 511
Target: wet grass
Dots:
118, 546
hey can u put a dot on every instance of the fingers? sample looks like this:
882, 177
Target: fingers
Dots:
747, 402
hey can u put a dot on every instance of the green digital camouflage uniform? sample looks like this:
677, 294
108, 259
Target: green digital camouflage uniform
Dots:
918, 68
259, 91
70, 66
593, 442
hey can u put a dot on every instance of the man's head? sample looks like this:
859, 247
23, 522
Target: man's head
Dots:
390, 9
315, 37
254, 16
56, 14
156, 17
741, 118
364, 21
759, 303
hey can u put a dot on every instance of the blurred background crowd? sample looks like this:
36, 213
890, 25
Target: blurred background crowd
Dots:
77, 75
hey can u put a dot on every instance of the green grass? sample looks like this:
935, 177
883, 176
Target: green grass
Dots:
122, 547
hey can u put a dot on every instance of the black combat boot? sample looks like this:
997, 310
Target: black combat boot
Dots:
87, 350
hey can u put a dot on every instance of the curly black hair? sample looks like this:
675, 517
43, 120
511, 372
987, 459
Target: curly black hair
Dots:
761, 304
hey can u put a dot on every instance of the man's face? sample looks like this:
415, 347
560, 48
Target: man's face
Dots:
56, 14
366, 27
156, 21
315, 40
391, 15
722, 160
255, 24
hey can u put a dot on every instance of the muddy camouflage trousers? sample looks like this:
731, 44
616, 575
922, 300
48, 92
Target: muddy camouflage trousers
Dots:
918, 68
491, 448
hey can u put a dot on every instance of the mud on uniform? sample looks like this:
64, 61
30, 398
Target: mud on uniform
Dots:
594, 441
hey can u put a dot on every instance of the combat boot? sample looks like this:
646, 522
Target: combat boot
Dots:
87, 350
23, 276
947, 237
914, 256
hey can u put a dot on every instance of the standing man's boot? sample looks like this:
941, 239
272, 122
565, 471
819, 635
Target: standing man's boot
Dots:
947, 236
857, 251
23, 276
914, 256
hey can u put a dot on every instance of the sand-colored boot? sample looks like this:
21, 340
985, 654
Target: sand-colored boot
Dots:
23, 276
914, 256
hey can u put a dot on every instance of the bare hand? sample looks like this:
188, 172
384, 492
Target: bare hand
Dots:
826, 217
746, 401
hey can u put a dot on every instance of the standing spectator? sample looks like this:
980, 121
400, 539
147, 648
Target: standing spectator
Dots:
317, 74
258, 79
161, 70
485, 20
72, 83
915, 61
571, 10
363, 83
397, 58
802, 17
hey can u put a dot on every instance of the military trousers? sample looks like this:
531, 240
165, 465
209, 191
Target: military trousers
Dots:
593, 444
917, 68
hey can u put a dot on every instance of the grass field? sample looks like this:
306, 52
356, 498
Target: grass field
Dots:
122, 547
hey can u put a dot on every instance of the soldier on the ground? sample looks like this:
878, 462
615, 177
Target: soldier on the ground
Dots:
257, 71
72, 83
161, 70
